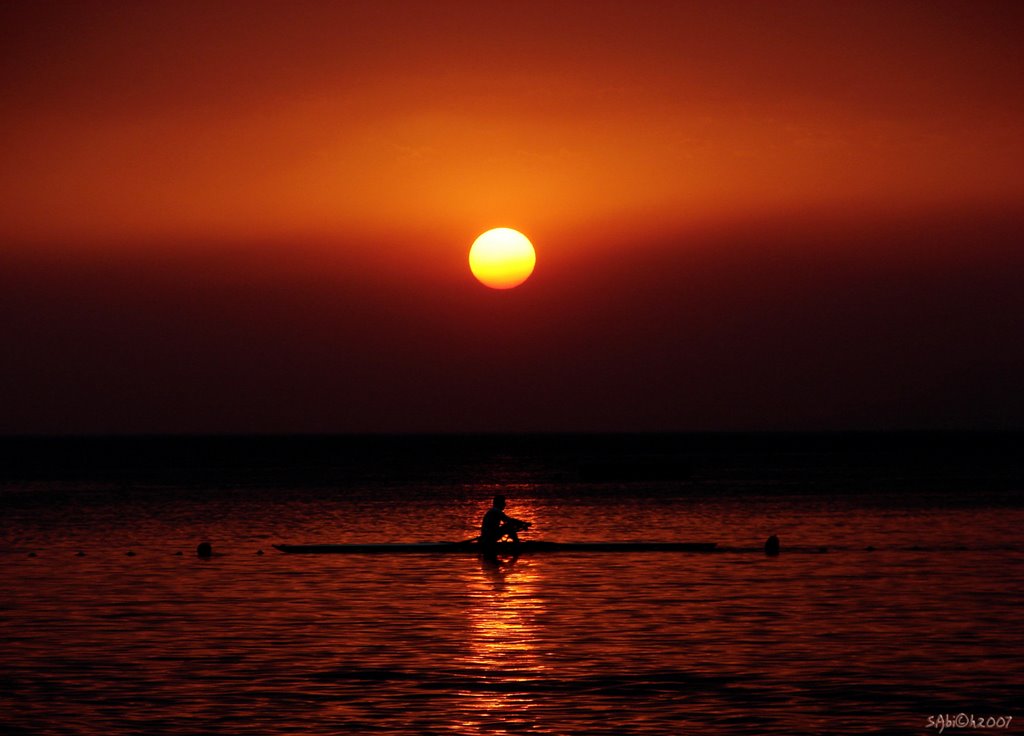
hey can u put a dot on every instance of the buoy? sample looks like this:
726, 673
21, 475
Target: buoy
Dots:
259, 551
771, 546
79, 553
204, 550
129, 553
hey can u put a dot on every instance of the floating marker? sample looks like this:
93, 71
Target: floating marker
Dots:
204, 550
771, 546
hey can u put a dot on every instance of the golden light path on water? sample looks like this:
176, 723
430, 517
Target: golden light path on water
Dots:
502, 645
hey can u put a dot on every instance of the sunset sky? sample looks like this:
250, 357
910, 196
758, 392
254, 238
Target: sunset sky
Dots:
256, 216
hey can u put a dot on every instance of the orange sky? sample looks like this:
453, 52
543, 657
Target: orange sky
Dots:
232, 200
267, 118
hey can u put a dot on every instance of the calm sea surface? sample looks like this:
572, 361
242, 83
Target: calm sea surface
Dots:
897, 596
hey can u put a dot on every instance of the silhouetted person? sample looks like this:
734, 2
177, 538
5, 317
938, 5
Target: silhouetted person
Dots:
498, 524
771, 546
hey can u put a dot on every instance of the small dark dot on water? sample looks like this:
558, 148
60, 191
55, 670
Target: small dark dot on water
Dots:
32, 554
870, 548
259, 551
178, 553
80, 553
129, 553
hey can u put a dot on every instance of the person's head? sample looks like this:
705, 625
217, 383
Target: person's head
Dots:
499, 502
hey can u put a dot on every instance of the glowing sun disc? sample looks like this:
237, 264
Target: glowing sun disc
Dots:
502, 258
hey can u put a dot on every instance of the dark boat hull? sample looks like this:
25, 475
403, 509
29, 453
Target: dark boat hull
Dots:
504, 548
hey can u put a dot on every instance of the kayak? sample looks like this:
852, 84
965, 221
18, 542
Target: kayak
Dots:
502, 548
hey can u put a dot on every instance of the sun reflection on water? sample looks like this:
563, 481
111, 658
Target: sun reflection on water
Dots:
502, 643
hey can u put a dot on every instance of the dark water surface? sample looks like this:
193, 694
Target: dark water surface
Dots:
845, 640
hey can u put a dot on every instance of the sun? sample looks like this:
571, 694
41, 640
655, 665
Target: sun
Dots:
502, 258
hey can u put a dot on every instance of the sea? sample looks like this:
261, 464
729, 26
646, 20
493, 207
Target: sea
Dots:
894, 606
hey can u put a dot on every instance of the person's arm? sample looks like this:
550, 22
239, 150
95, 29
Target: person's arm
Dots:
515, 522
